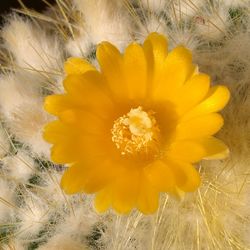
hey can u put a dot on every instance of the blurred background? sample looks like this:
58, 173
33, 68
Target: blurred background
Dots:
7, 5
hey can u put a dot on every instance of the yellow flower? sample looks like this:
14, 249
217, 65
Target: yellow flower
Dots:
136, 127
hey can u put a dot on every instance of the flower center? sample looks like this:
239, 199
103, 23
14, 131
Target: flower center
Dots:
136, 133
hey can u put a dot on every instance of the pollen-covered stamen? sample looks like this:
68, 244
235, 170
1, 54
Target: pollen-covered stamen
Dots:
136, 133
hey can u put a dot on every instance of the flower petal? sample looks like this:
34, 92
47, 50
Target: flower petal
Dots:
86, 122
135, 71
157, 45
83, 91
177, 69
125, 191
198, 149
77, 66
216, 149
216, 100
72, 143
99, 176
86, 89
110, 60
155, 48
199, 127
54, 104
103, 199
191, 93
56, 131
160, 176
74, 178
148, 198
67, 152
88, 176
187, 177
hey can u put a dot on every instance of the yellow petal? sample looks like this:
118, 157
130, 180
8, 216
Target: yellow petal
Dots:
71, 181
68, 116
87, 91
186, 176
56, 131
102, 172
67, 152
148, 198
87, 176
91, 81
177, 69
85, 121
216, 100
155, 49
83, 93
103, 199
160, 176
220, 150
72, 143
192, 93
135, 71
110, 60
54, 104
125, 191
87, 135
199, 127
97, 180
178, 193
198, 149
96, 146
77, 66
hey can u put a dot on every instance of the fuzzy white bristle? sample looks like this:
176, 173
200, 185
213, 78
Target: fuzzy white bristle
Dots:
153, 5
20, 167
186, 9
4, 143
27, 124
63, 243
80, 45
32, 48
105, 20
153, 23
213, 25
13, 245
16, 87
50, 188
33, 216
73, 225
236, 3
7, 193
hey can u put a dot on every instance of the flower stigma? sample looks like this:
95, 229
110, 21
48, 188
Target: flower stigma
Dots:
136, 133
